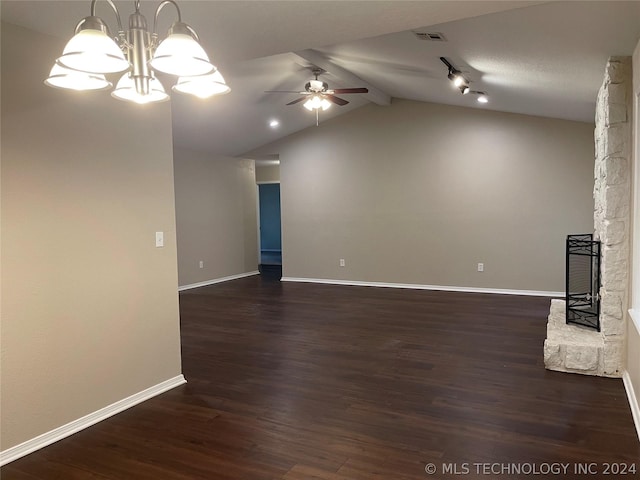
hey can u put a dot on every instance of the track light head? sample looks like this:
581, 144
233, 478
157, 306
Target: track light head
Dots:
457, 78
455, 75
460, 82
482, 97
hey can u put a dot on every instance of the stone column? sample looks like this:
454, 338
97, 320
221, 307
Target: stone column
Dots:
571, 348
612, 195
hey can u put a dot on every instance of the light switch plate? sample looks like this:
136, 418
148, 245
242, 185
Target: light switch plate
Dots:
159, 239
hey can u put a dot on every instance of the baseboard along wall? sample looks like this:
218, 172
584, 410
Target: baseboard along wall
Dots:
633, 401
446, 288
41, 441
217, 280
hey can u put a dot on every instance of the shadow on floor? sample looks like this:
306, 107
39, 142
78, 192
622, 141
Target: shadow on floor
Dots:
271, 272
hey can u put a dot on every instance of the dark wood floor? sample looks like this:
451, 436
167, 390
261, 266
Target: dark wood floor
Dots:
299, 381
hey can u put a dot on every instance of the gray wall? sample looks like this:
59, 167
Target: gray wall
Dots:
421, 193
267, 173
89, 304
216, 216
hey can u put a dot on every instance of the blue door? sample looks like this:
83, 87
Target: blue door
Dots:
270, 232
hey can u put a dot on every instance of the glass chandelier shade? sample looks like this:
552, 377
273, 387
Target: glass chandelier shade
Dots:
61, 77
316, 102
92, 51
180, 54
202, 86
126, 90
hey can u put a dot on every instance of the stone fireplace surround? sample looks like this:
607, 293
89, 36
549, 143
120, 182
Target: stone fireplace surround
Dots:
575, 349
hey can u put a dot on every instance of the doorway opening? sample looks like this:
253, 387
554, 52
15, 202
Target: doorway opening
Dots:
270, 230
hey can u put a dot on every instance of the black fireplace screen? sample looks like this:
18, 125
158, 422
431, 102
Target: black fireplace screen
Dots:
583, 281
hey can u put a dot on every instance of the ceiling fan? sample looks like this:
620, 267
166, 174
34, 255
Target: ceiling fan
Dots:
318, 95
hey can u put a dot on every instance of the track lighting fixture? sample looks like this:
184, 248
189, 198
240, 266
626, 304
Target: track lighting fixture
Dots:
461, 82
456, 76
92, 53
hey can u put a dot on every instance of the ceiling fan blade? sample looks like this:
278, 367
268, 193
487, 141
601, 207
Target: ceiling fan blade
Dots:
297, 100
336, 100
351, 90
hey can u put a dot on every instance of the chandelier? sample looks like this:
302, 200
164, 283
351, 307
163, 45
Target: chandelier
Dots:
92, 53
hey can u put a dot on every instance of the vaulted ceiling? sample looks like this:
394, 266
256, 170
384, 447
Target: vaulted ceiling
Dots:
538, 58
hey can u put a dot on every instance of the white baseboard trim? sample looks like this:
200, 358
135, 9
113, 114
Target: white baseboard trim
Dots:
41, 441
355, 283
633, 401
217, 280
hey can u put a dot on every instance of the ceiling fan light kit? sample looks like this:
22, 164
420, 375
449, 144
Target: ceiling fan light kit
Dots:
92, 53
316, 102
462, 83
318, 96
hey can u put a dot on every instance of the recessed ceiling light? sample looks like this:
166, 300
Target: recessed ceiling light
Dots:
482, 98
274, 123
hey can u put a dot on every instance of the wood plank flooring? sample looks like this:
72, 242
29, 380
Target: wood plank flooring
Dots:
299, 381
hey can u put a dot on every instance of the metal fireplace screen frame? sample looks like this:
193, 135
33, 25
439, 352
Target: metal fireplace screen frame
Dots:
583, 281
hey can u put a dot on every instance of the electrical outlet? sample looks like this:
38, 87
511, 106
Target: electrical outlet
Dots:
201, 264
481, 267
342, 262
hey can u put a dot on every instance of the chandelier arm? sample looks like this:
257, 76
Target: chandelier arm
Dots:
113, 7
160, 7
193, 32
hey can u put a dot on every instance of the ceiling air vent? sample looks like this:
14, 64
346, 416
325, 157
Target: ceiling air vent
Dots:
430, 36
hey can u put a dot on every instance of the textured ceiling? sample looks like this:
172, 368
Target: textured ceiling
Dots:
531, 57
